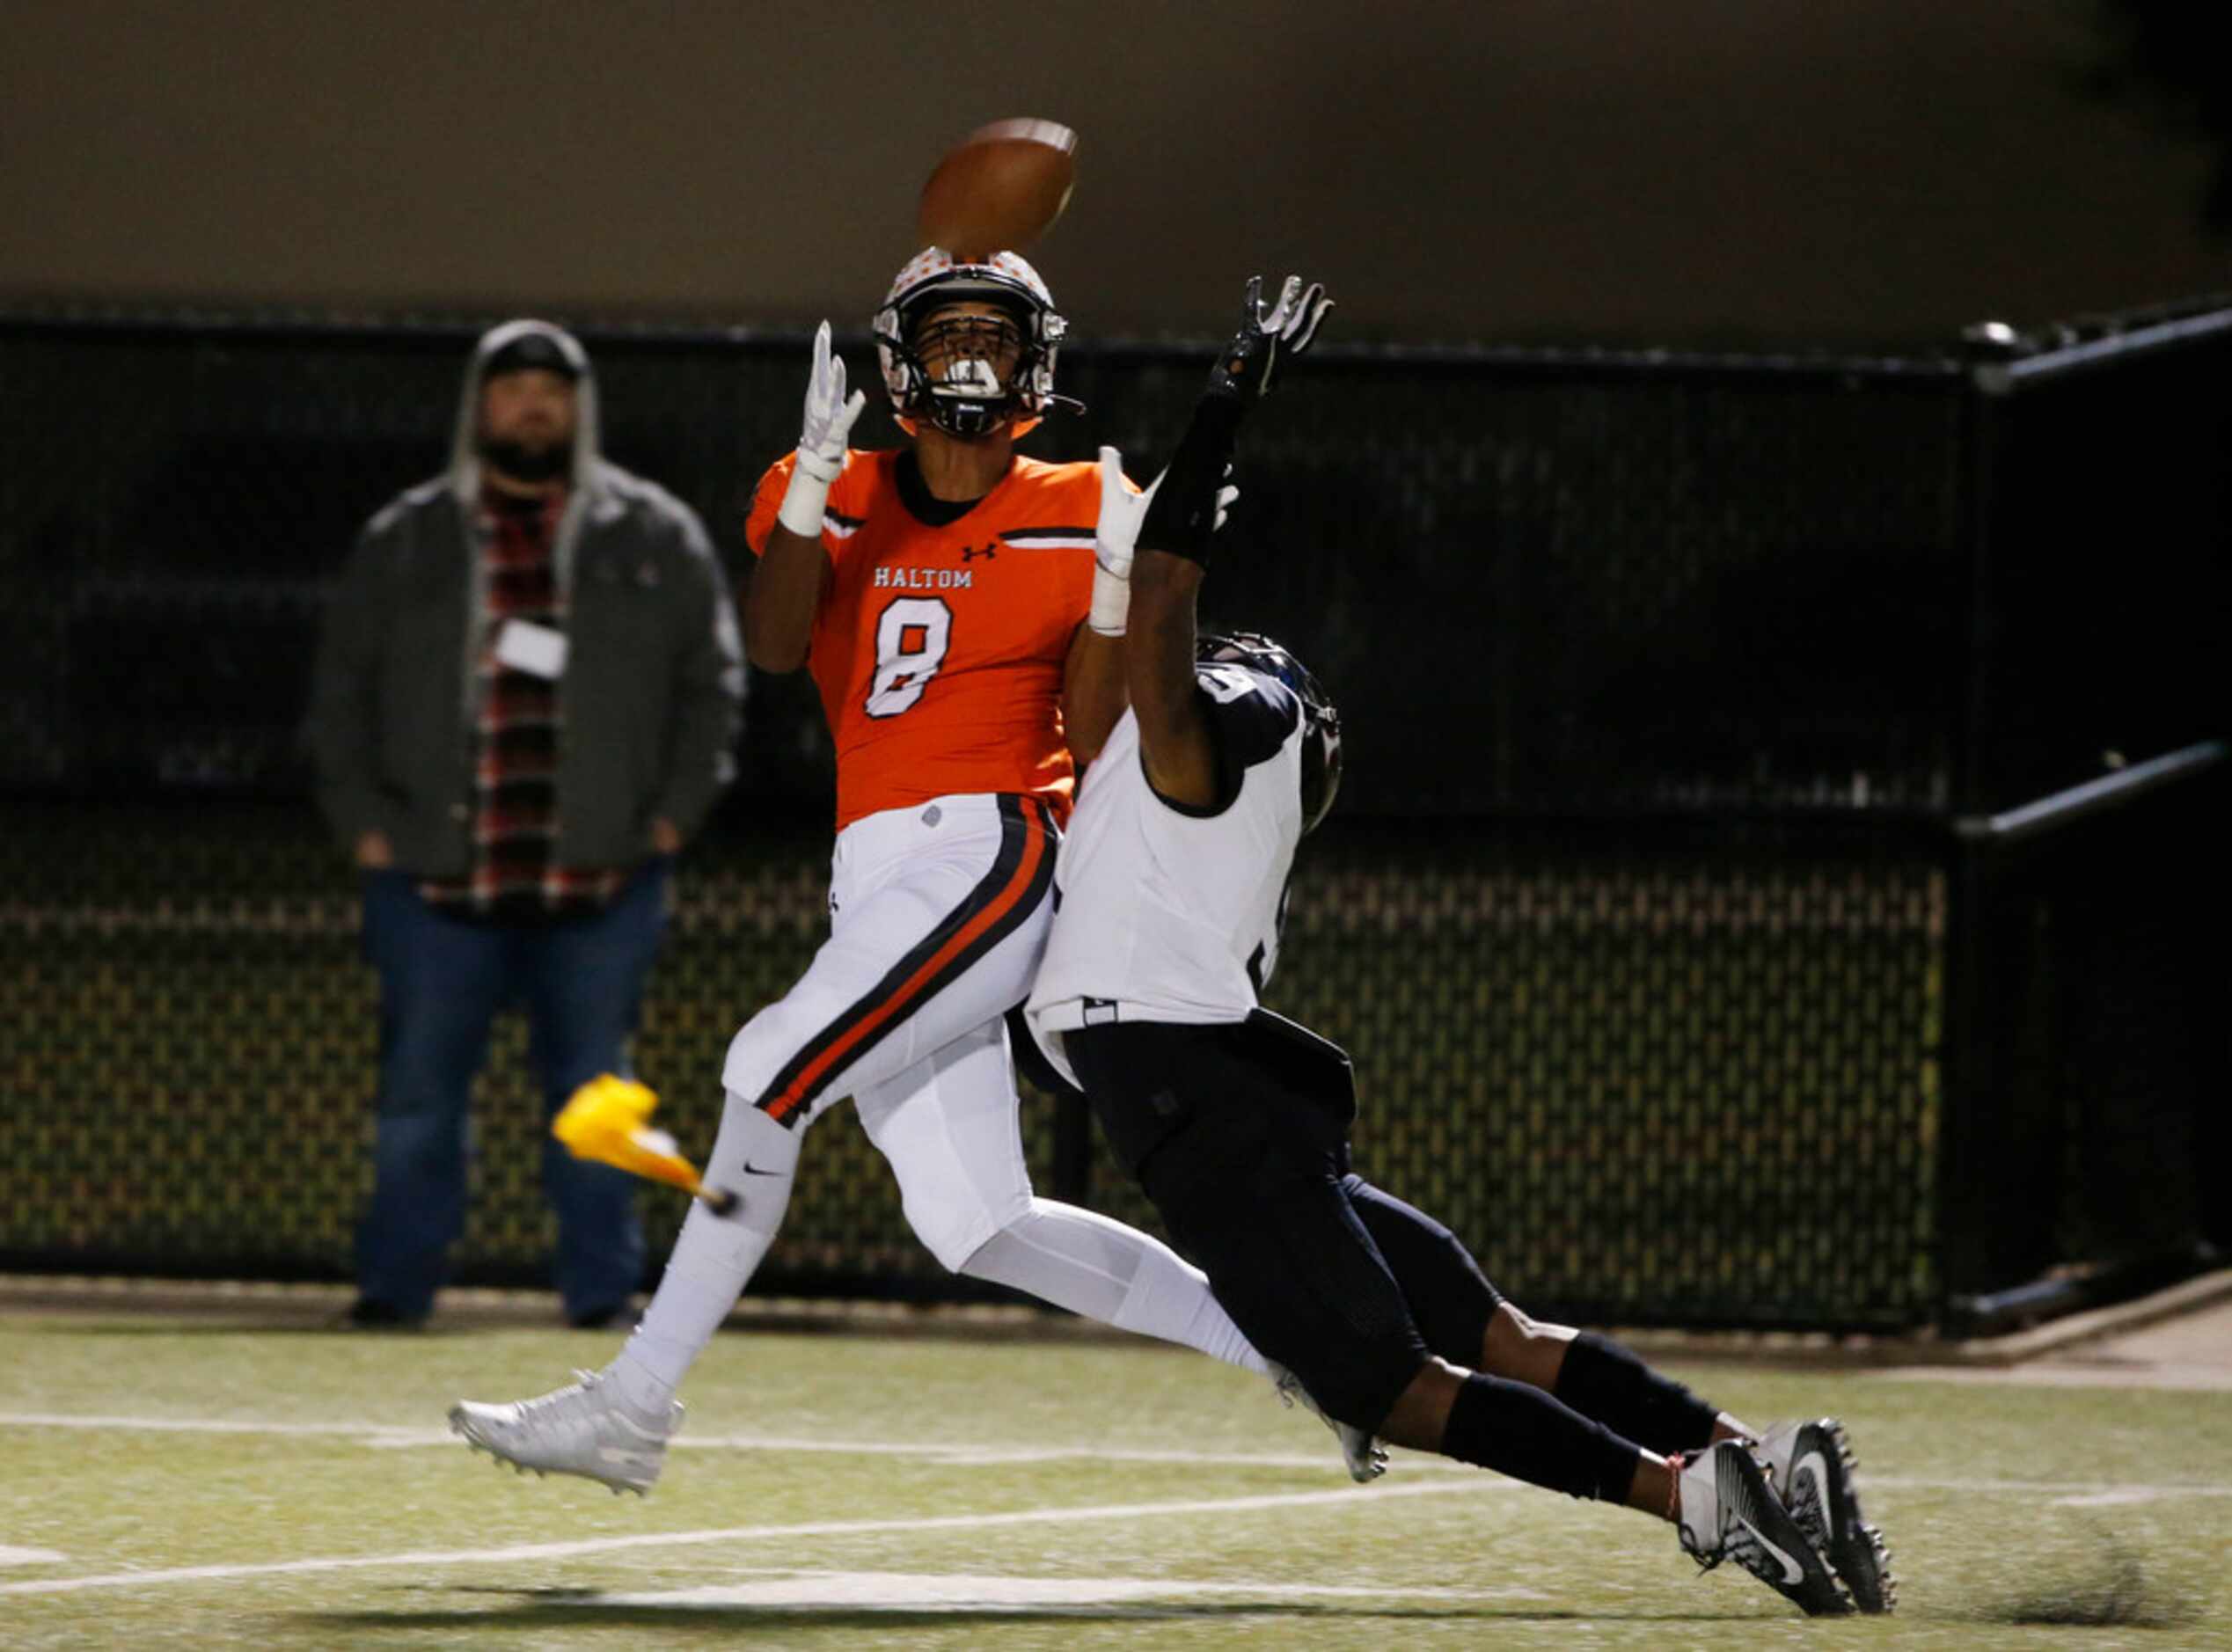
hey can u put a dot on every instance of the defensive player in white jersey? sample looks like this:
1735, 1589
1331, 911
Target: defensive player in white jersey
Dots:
945, 597
1235, 1121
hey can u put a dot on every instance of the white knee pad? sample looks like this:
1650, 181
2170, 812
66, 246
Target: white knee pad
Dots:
950, 1219
948, 1126
760, 1049
956, 1192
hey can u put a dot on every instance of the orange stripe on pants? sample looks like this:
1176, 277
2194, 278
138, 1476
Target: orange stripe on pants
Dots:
912, 989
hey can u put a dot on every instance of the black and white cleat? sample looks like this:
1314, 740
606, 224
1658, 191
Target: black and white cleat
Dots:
1729, 1512
1811, 1466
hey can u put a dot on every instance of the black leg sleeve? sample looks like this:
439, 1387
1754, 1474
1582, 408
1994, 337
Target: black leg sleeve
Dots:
1603, 1380
1517, 1429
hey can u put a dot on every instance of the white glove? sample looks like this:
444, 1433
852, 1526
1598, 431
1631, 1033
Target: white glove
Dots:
1115, 539
829, 414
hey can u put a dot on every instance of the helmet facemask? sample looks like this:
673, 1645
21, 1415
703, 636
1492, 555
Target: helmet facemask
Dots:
969, 374
972, 365
1321, 761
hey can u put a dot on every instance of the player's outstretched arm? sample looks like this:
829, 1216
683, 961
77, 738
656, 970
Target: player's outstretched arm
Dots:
793, 569
1185, 512
1177, 747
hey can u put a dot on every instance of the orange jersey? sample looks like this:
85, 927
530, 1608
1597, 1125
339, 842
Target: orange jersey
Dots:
940, 651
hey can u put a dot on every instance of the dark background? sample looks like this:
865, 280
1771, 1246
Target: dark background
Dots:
1664, 171
1666, 910
1679, 910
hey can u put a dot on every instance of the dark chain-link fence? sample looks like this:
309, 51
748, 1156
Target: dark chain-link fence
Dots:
1615, 582
1667, 680
1685, 1083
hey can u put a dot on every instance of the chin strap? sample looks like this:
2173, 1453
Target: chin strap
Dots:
1019, 422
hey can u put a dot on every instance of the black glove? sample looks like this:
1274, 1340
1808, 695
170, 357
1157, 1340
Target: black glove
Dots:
1245, 369
1184, 513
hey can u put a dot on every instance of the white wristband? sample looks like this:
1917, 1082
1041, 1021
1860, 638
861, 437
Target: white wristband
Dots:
803, 501
1111, 610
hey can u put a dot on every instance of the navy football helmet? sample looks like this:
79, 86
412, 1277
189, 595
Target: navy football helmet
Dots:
1321, 718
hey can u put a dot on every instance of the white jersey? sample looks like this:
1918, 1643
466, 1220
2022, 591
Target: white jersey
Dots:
1169, 913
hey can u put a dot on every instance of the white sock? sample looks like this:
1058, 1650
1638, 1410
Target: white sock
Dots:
713, 1256
1117, 1274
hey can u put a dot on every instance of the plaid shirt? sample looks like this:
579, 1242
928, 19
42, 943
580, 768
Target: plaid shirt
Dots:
517, 736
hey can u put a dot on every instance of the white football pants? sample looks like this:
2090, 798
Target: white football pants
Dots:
940, 914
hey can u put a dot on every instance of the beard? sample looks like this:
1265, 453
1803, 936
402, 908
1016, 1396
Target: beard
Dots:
534, 459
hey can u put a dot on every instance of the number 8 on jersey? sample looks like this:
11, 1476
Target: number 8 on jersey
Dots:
910, 641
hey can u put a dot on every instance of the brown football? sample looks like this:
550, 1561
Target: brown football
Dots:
1000, 188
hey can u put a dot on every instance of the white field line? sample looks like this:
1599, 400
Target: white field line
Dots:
393, 1437
1001, 1456
2102, 1489
964, 1591
1357, 1494
371, 1432
2108, 1499
390, 1436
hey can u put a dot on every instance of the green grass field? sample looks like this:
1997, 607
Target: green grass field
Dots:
194, 1481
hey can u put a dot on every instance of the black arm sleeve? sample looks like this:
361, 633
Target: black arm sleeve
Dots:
1181, 518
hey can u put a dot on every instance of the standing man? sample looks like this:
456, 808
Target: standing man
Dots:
945, 597
526, 699
1235, 1121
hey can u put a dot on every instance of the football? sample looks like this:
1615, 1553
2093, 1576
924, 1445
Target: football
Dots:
1000, 188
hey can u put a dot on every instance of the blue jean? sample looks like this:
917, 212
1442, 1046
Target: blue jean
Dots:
441, 982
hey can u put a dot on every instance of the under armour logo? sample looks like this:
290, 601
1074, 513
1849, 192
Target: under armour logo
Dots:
970, 553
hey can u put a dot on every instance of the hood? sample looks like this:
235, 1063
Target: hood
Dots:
465, 463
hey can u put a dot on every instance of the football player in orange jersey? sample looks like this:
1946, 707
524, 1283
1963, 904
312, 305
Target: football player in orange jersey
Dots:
967, 643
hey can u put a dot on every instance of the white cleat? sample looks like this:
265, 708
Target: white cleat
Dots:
1365, 1458
1729, 1512
583, 1429
1812, 1466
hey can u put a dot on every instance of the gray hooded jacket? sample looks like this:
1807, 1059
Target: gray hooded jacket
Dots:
654, 682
